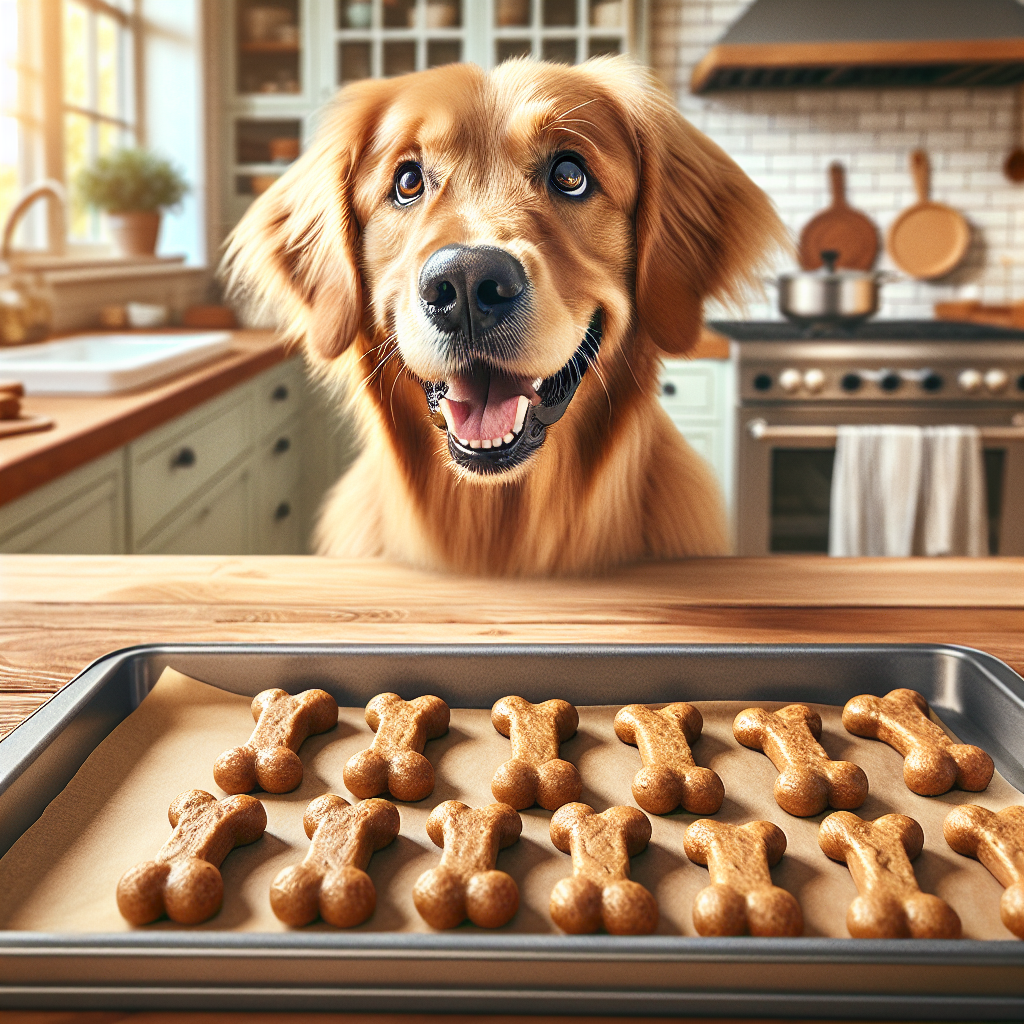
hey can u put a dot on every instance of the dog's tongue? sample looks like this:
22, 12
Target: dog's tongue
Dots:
484, 404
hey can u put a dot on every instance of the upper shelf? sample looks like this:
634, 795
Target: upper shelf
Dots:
807, 44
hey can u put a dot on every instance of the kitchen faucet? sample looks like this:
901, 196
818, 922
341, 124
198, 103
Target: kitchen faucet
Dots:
26, 306
55, 192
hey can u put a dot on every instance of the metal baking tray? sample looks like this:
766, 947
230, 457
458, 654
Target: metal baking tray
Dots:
467, 971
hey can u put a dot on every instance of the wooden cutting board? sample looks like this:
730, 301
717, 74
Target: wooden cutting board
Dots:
927, 240
839, 228
25, 425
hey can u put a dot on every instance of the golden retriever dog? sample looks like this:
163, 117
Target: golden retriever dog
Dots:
495, 263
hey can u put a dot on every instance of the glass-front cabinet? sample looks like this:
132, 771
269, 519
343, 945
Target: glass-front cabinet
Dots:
286, 58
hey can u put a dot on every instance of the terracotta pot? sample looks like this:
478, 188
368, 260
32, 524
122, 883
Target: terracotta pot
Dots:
134, 232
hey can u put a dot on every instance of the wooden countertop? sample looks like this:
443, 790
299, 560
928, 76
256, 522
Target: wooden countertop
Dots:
88, 426
59, 613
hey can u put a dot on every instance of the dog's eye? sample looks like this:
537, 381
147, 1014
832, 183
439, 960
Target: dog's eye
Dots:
568, 177
408, 184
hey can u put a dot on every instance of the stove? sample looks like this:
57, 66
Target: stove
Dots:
795, 386
867, 330
888, 361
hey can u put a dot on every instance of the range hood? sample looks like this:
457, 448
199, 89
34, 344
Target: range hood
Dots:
816, 44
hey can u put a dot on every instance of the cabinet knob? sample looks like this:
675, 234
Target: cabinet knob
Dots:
186, 457
280, 393
668, 388
283, 511
281, 445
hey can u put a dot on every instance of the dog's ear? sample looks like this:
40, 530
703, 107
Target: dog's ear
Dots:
703, 229
294, 253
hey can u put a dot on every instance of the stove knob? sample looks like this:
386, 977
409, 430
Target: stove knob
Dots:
996, 380
790, 380
814, 380
969, 381
931, 381
763, 382
1020, 382
851, 382
889, 380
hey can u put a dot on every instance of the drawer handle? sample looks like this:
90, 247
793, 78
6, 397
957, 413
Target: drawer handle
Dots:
283, 511
185, 458
281, 445
668, 388
280, 393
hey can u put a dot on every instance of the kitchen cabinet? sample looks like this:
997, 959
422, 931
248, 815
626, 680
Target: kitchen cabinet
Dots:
82, 513
279, 65
232, 476
219, 522
699, 394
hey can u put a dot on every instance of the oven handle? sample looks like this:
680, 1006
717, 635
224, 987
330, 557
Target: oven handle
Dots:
759, 430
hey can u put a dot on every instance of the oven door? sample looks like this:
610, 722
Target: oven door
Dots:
784, 474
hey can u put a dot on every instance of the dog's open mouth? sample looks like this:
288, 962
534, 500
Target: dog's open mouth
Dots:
495, 421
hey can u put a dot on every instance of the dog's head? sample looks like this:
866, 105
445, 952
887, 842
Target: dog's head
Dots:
502, 237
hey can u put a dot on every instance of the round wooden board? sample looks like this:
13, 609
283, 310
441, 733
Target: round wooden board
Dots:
927, 240
839, 228
25, 425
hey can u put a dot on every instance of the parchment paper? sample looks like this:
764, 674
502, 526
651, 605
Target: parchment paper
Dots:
62, 874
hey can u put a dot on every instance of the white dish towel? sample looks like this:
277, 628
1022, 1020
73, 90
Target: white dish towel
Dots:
900, 491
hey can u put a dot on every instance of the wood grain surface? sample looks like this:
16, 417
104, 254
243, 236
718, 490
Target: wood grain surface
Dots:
59, 613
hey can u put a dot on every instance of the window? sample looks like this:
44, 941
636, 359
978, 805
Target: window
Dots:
69, 91
98, 94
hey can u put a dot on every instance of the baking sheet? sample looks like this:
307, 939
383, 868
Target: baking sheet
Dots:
62, 874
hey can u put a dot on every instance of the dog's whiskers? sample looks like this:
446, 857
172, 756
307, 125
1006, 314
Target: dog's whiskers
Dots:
391, 403
566, 113
631, 373
394, 351
572, 131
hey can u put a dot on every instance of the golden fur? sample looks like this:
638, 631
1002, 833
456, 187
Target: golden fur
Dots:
672, 222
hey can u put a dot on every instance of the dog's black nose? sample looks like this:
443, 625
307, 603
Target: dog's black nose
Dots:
470, 288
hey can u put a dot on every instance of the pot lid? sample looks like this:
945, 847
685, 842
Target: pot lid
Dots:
829, 272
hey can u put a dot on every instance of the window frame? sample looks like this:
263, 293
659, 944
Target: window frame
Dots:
42, 108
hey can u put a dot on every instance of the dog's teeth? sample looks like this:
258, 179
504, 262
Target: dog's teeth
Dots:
521, 406
486, 443
537, 383
446, 411
474, 444
496, 442
463, 442
509, 437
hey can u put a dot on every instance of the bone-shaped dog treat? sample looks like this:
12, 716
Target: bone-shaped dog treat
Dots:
332, 880
269, 759
600, 891
741, 899
394, 762
997, 840
184, 880
669, 776
933, 763
465, 883
878, 854
535, 774
809, 781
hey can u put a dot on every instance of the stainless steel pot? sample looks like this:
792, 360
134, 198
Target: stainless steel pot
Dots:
828, 295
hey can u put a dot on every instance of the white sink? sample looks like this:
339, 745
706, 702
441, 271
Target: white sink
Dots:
101, 364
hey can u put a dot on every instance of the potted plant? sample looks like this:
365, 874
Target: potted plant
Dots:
132, 186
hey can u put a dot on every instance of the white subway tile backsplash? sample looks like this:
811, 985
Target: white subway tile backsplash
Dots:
922, 119
786, 140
